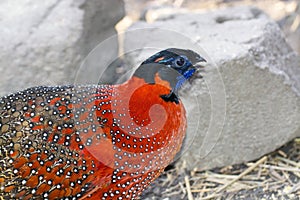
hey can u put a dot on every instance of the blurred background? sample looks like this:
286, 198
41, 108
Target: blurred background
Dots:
285, 12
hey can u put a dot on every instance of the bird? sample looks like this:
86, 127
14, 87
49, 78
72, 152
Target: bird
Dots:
95, 141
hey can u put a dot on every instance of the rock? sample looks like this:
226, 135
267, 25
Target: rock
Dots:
43, 43
248, 103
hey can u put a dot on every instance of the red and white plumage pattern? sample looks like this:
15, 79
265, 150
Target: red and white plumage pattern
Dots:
87, 142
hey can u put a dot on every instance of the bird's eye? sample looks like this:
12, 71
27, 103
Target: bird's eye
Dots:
180, 61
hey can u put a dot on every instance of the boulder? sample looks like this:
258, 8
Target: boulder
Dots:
248, 103
44, 42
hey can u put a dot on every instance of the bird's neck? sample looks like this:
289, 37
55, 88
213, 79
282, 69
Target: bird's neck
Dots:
141, 98
152, 74
159, 75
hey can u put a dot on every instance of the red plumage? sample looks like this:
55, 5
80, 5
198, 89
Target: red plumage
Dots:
87, 142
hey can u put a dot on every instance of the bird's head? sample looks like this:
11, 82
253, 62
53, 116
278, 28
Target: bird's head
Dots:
173, 66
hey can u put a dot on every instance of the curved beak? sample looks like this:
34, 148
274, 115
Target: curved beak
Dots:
198, 61
198, 66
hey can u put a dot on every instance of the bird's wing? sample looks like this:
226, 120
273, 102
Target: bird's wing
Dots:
44, 132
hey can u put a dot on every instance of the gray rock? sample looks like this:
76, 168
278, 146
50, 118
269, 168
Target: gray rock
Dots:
248, 103
44, 42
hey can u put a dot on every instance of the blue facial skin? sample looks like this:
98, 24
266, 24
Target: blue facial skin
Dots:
181, 79
176, 59
183, 69
178, 62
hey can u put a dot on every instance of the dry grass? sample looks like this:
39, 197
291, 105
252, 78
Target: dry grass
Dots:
274, 176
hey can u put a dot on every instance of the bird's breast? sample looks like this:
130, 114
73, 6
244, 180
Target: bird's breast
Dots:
140, 122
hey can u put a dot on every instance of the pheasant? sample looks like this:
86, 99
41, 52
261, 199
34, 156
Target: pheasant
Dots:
95, 141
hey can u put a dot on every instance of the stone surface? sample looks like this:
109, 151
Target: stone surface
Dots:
248, 103
44, 42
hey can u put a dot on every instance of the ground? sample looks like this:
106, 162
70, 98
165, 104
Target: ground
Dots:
274, 176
